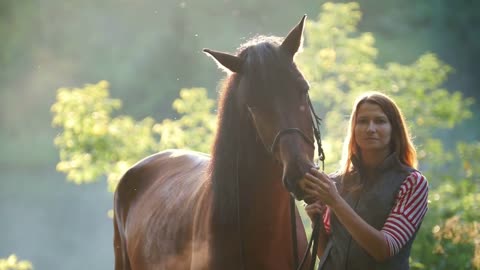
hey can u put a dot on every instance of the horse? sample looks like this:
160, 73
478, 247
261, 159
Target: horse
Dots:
180, 209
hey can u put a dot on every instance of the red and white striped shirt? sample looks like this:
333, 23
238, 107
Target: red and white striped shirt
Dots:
406, 215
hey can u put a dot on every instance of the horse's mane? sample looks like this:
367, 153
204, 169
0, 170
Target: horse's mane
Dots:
236, 137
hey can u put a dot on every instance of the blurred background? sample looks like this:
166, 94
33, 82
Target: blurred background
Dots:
148, 51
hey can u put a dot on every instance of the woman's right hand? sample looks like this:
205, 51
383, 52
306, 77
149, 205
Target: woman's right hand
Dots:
314, 209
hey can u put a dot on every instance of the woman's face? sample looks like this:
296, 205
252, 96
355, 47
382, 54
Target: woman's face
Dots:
372, 129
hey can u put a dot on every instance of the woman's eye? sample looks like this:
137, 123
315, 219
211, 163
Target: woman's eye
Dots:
362, 121
381, 121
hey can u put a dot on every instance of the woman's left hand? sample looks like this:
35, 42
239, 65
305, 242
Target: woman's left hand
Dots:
320, 186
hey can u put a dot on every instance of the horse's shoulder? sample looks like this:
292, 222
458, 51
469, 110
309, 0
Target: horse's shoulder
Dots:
184, 154
167, 165
171, 159
168, 157
173, 156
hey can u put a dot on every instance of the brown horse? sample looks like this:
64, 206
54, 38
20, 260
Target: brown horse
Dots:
185, 210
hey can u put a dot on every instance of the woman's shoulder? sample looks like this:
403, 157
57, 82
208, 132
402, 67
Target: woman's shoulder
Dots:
413, 174
415, 181
416, 178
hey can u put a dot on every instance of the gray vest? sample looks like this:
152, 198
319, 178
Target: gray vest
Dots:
373, 204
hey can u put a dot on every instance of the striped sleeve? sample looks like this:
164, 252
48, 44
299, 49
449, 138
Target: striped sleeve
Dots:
408, 212
326, 220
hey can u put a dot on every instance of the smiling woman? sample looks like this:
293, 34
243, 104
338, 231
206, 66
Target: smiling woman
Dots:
378, 199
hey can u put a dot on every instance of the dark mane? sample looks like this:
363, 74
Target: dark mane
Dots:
236, 136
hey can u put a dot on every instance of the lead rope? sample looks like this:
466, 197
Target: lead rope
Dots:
293, 220
318, 222
316, 132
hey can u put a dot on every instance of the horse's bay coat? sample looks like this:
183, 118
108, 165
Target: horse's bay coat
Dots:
181, 209
177, 180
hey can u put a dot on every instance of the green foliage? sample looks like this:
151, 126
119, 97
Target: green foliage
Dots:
93, 143
194, 130
452, 240
470, 154
12, 263
340, 63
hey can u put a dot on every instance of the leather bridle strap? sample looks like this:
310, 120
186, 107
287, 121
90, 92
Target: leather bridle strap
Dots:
313, 240
293, 219
318, 222
287, 131
316, 132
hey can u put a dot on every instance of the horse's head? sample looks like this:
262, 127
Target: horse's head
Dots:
274, 93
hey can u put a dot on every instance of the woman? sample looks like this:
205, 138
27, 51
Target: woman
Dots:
373, 208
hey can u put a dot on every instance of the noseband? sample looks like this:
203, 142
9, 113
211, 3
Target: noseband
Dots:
287, 131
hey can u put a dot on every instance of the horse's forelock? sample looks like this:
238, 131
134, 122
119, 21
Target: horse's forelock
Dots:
264, 65
259, 40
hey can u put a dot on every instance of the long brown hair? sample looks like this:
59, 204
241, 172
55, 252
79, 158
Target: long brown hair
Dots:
400, 143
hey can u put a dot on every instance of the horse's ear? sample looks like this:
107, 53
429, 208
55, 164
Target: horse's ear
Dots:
225, 60
294, 39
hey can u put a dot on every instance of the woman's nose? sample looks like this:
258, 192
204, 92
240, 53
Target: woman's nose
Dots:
371, 127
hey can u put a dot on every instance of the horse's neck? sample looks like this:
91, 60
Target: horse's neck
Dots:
257, 233
260, 181
259, 174
264, 212
264, 203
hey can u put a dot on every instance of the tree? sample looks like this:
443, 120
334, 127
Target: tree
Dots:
12, 263
93, 143
340, 63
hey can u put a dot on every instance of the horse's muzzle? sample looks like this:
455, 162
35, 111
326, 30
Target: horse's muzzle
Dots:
292, 180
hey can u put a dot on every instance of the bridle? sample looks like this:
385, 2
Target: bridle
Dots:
316, 132
287, 131
316, 120
318, 219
